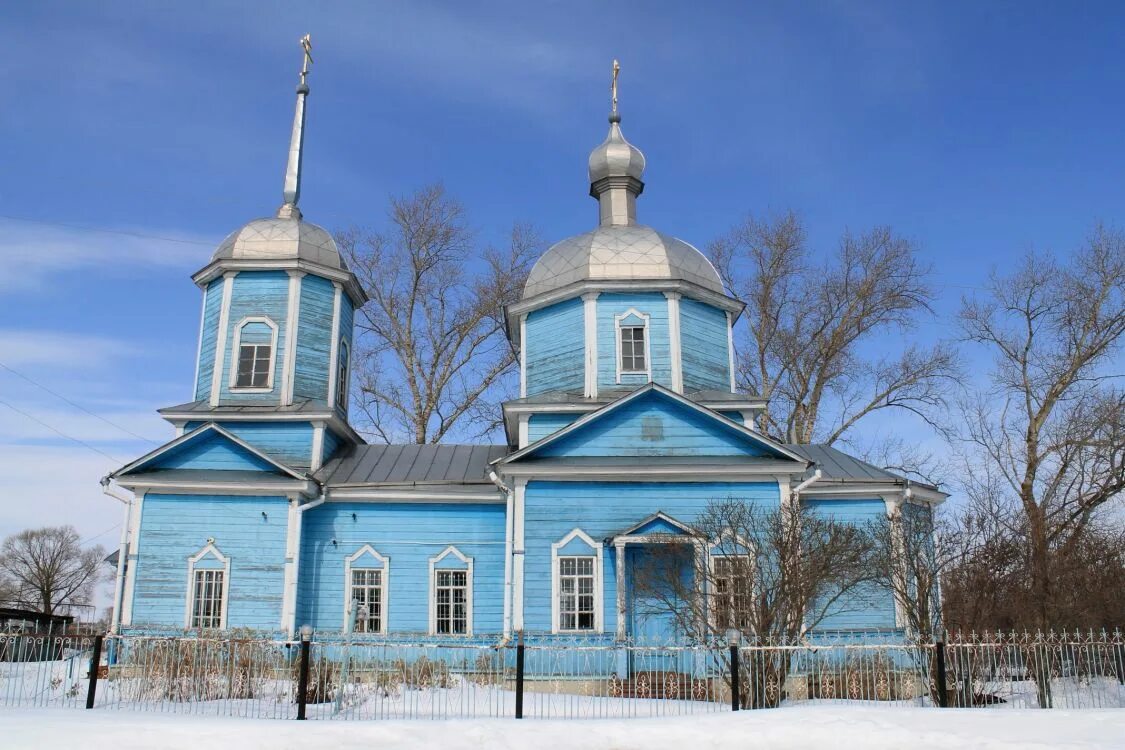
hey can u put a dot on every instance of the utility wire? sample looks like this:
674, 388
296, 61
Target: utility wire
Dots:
77, 406
33, 418
86, 228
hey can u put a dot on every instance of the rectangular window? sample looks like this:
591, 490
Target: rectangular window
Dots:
207, 599
367, 592
633, 349
342, 377
576, 593
451, 591
253, 366
733, 589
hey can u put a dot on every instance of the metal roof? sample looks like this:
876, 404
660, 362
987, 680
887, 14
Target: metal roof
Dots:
204, 407
607, 395
835, 464
411, 464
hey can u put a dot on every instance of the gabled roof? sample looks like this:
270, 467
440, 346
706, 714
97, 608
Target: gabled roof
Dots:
653, 525
201, 433
751, 436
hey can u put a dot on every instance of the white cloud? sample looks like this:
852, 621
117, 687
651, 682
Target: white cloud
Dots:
35, 252
29, 348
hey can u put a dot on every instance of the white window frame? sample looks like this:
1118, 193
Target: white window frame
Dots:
617, 326
209, 550
343, 389
596, 552
237, 348
434, 568
384, 585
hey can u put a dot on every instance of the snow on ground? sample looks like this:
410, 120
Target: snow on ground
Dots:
782, 729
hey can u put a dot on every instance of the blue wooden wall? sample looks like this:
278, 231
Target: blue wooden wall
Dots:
176, 527
555, 348
331, 444
212, 304
314, 339
602, 509
867, 607
211, 451
655, 305
409, 534
288, 442
704, 346
541, 425
257, 293
654, 425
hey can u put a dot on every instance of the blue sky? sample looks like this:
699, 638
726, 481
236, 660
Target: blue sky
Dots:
134, 136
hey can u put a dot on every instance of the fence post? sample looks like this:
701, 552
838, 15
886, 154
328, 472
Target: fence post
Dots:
519, 675
939, 677
303, 679
735, 687
95, 666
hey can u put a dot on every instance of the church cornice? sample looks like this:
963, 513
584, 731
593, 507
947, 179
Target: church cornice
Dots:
217, 268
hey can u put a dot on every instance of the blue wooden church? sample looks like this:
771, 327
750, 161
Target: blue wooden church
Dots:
269, 511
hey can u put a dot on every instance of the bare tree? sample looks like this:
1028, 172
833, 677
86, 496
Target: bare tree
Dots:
1050, 428
810, 319
770, 573
908, 563
49, 570
431, 341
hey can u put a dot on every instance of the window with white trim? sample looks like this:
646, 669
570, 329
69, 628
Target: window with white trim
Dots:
576, 593
342, 376
367, 598
732, 591
451, 602
207, 598
255, 343
633, 349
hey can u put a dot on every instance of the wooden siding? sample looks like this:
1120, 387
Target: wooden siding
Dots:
653, 304
703, 341
409, 534
555, 345
654, 425
314, 339
288, 442
257, 293
211, 451
175, 527
867, 607
347, 332
213, 302
601, 509
331, 442
540, 426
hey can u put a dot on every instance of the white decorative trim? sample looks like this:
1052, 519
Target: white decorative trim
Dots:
132, 557
730, 350
519, 489
317, 457
523, 356
332, 354
211, 550
632, 311
599, 605
674, 345
292, 567
292, 322
524, 425
451, 550
508, 522
408, 494
235, 354
384, 585
590, 343
203, 428
221, 337
619, 562
199, 344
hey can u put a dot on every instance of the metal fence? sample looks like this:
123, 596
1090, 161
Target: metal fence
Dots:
548, 677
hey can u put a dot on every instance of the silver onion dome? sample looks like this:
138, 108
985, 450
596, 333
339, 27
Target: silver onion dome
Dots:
277, 238
616, 157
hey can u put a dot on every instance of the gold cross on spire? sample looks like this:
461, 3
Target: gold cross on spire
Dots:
613, 86
306, 45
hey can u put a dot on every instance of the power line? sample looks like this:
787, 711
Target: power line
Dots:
77, 406
33, 418
123, 232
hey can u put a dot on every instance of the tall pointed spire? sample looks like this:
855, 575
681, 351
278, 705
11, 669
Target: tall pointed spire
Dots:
292, 190
616, 167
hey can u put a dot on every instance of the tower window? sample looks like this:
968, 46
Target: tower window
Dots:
342, 377
253, 366
633, 349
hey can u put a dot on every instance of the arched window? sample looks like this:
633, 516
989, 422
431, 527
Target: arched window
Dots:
451, 593
342, 374
208, 587
255, 343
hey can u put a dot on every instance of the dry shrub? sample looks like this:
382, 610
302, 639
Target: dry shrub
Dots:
194, 669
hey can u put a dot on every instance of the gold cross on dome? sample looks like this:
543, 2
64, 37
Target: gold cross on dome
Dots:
306, 45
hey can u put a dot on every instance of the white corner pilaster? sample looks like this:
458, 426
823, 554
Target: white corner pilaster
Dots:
292, 316
524, 425
674, 350
221, 338
519, 490
590, 320
730, 350
334, 349
132, 557
619, 566
317, 457
523, 356
292, 563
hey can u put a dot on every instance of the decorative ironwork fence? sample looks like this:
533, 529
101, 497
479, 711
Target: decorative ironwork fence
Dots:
548, 677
